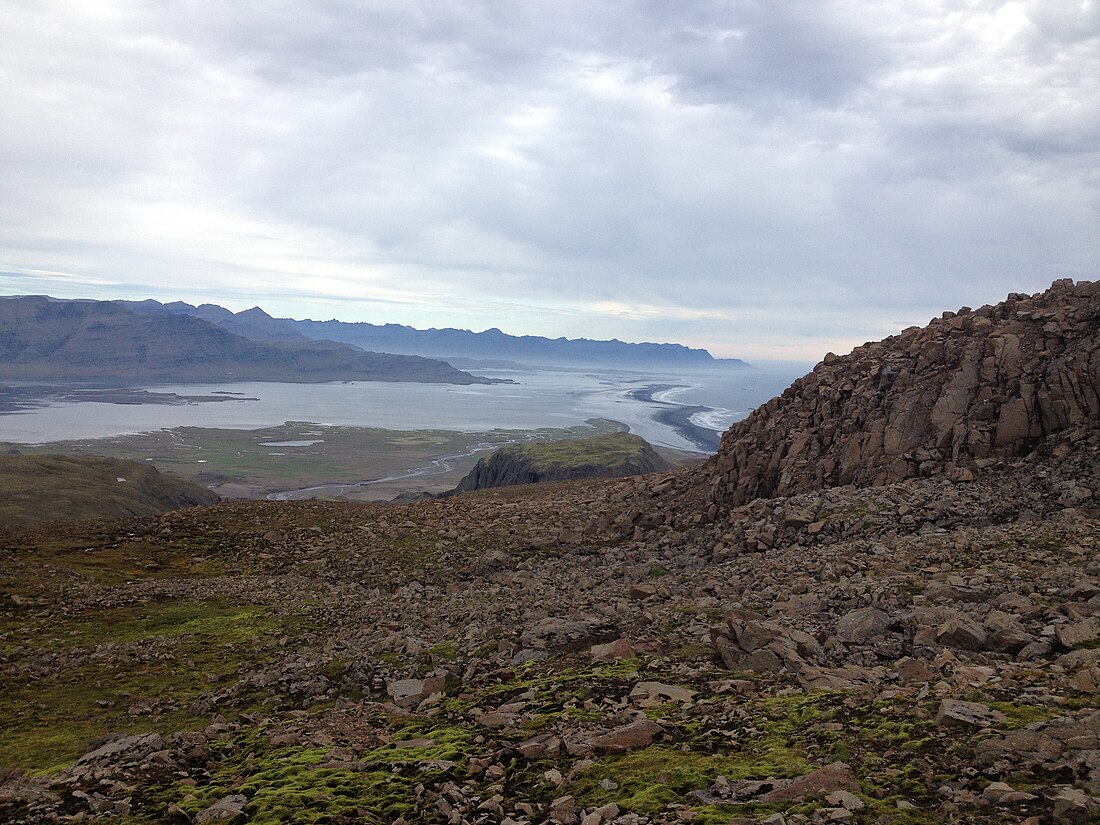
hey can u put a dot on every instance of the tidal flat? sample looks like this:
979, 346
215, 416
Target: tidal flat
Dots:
301, 459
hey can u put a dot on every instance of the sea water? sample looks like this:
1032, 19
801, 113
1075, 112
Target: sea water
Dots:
539, 398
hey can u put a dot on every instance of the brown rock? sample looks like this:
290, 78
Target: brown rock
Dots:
408, 693
860, 626
961, 632
639, 734
642, 591
610, 652
837, 776
954, 712
563, 810
649, 694
914, 670
1076, 634
1072, 806
545, 745
226, 809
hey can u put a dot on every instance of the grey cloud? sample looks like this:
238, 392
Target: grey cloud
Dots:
753, 53
838, 166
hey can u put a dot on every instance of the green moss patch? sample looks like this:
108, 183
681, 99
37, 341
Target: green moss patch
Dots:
300, 784
54, 716
652, 778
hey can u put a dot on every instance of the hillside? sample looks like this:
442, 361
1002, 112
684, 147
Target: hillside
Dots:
43, 339
35, 489
660, 649
972, 388
607, 456
963, 394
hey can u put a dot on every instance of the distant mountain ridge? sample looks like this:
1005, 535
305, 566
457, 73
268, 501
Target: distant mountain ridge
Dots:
447, 343
46, 339
494, 344
251, 323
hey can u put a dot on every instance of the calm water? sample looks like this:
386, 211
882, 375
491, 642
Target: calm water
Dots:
542, 398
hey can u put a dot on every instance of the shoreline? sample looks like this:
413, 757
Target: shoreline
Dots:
25, 398
678, 416
679, 419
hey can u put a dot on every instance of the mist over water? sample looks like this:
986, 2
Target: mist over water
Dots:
541, 398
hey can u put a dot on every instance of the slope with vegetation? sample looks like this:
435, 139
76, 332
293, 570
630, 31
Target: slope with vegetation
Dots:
35, 489
643, 650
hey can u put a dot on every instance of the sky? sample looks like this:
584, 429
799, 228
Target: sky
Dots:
769, 180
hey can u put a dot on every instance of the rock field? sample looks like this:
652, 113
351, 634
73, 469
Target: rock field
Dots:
725, 644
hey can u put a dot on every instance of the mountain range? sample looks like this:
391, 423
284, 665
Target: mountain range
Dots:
45, 339
489, 348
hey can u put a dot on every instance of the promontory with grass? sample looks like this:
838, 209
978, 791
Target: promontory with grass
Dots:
879, 602
613, 455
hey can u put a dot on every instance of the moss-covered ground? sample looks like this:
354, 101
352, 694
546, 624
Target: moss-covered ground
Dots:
259, 639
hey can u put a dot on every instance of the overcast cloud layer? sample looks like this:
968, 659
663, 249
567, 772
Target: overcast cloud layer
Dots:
763, 179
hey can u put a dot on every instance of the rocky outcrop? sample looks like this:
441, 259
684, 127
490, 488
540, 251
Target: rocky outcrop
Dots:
972, 387
608, 456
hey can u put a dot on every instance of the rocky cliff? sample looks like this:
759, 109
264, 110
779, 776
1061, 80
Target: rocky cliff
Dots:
972, 387
609, 456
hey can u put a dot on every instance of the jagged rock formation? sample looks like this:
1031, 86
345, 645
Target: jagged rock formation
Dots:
616, 455
970, 388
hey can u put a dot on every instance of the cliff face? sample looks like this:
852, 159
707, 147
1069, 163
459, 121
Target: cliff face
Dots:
611, 456
967, 390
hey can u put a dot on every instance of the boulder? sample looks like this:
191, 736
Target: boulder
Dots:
568, 635
408, 693
862, 625
1072, 806
612, 651
638, 734
832, 778
748, 641
1076, 634
123, 749
226, 809
956, 713
649, 694
961, 632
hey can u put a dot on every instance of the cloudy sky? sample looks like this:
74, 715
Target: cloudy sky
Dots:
765, 179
